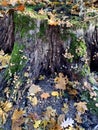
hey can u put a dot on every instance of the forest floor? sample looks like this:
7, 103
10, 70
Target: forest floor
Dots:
44, 107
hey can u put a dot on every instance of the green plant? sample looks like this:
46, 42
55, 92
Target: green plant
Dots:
91, 102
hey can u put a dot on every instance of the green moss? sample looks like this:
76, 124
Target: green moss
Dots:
43, 28
23, 23
18, 60
76, 22
77, 47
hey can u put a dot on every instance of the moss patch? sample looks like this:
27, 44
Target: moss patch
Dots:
77, 47
17, 62
42, 30
23, 23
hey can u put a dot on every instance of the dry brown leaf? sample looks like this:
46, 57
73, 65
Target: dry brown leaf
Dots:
34, 89
45, 95
17, 119
78, 118
42, 12
33, 116
72, 91
61, 118
81, 107
3, 116
56, 127
50, 112
61, 82
4, 3
6, 106
20, 8
17, 114
65, 108
52, 22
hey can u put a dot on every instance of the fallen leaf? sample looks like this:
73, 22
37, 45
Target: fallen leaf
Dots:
17, 119
6, 106
4, 3
56, 127
78, 118
17, 114
55, 93
45, 95
37, 124
33, 100
20, 8
3, 116
34, 89
61, 118
52, 22
81, 107
61, 82
33, 116
72, 91
50, 112
41, 77
65, 108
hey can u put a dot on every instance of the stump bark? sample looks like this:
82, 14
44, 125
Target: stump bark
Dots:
7, 32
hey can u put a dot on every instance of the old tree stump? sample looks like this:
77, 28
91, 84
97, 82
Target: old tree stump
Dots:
48, 48
37, 48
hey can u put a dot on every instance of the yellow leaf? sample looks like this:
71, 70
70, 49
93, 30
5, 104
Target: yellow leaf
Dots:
33, 100
55, 93
52, 22
41, 77
37, 123
7, 106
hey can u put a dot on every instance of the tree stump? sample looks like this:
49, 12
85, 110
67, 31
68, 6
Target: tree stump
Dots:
46, 45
